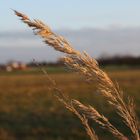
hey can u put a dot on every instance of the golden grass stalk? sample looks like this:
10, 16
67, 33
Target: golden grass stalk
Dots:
83, 112
57, 42
68, 104
93, 114
89, 67
107, 88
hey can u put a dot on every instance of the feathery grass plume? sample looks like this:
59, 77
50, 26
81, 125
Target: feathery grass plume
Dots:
53, 40
88, 67
83, 112
93, 114
68, 104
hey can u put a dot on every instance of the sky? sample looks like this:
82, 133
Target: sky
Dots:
110, 27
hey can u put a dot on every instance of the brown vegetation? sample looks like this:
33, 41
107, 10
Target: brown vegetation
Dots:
89, 68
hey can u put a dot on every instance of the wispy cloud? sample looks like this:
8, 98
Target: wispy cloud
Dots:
24, 45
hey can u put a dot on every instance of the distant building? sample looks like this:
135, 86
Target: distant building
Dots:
15, 66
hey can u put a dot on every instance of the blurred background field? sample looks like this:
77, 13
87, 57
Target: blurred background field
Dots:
107, 30
29, 111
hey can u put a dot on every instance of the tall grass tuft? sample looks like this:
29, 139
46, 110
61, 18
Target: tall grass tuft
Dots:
89, 68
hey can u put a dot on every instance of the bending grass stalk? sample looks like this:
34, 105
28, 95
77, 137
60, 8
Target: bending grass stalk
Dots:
107, 88
88, 67
93, 114
68, 104
83, 112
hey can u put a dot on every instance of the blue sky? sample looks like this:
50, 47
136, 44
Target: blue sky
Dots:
73, 14
99, 27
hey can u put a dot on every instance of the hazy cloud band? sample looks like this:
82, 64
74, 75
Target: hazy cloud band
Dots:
24, 45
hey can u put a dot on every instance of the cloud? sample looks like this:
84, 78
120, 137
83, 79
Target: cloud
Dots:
117, 41
24, 45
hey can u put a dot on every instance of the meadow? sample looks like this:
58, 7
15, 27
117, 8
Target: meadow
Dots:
29, 111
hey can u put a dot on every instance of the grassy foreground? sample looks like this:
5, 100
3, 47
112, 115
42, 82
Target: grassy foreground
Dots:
28, 110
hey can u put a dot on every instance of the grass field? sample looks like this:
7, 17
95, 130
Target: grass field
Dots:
28, 110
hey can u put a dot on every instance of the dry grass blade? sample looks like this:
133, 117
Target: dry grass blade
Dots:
68, 104
88, 67
53, 40
93, 114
